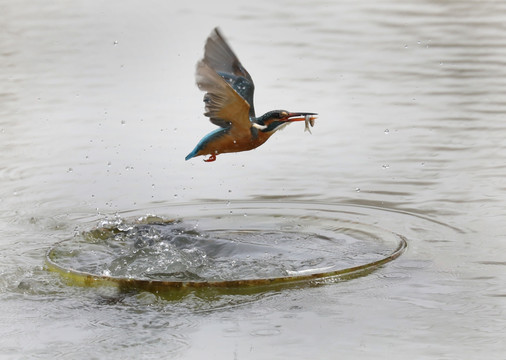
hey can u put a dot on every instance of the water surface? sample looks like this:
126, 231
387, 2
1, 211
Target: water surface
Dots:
98, 108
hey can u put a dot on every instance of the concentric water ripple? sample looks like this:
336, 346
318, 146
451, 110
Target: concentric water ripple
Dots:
226, 245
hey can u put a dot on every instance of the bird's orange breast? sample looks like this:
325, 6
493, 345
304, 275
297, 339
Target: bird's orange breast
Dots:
230, 141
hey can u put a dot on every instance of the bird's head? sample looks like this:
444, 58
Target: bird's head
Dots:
278, 119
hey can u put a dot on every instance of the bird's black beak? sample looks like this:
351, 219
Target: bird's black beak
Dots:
299, 116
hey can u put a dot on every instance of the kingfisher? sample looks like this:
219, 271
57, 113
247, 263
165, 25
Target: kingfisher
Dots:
229, 104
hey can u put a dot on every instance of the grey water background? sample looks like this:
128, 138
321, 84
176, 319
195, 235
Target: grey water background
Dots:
98, 108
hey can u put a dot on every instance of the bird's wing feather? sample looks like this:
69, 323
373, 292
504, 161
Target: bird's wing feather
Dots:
224, 106
220, 57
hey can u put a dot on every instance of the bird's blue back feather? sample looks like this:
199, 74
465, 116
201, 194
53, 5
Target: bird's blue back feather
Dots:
206, 140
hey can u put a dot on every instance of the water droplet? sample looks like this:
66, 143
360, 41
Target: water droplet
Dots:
123, 122
69, 170
357, 189
423, 164
385, 166
386, 131
109, 163
115, 42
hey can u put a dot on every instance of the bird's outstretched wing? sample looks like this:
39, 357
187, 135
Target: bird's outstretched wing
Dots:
219, 56
224, 106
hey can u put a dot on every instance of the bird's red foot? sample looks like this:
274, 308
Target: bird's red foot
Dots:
210, 158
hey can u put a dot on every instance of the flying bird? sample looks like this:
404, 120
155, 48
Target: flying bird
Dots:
229, 104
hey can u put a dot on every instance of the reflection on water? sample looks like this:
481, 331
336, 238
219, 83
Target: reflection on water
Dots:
98, 108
